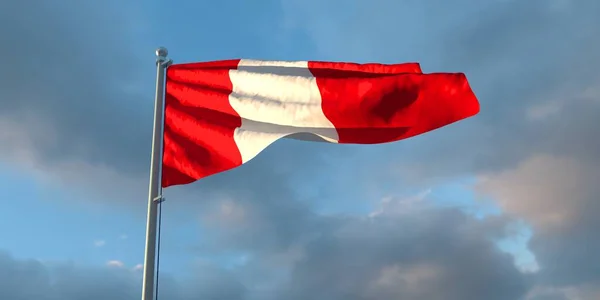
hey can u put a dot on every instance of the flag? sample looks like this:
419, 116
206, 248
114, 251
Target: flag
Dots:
221, 114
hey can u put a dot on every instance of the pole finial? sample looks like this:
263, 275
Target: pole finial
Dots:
161, 53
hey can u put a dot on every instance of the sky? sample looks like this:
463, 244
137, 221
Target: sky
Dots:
503, 205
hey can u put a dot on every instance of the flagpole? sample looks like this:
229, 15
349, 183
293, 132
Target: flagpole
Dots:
155, 187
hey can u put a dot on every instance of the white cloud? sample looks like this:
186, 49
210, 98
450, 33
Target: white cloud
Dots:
115, 263
412, 277
99, 243
405, 205
545, 190
543, 110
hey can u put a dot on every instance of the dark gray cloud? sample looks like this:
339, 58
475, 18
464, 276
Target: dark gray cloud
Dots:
32, 279
72, 72
532, 63
405, 249
534, 67
77, 100
558, 196
523, 59
539, 145
537, 142
422, 254
73, 85
520, 56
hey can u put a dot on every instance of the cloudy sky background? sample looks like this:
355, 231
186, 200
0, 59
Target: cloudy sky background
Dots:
500, 206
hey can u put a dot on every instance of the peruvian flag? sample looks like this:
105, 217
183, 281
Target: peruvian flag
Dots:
219, 115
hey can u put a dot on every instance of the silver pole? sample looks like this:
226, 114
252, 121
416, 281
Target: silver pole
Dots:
155, 187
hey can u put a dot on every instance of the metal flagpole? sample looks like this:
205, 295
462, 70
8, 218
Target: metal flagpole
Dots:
155, 187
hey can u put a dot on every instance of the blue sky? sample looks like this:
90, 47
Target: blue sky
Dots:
506, 199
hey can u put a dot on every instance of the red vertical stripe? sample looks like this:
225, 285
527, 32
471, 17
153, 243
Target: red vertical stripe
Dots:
199, 122
367, 109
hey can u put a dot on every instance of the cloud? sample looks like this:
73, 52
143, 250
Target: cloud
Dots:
67, 102
115, 263
558, 196
78, 121
552, 193
534, 66
63, 126
508, 50
583, 292
71, 109
32, 279
99, 243
400, 252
